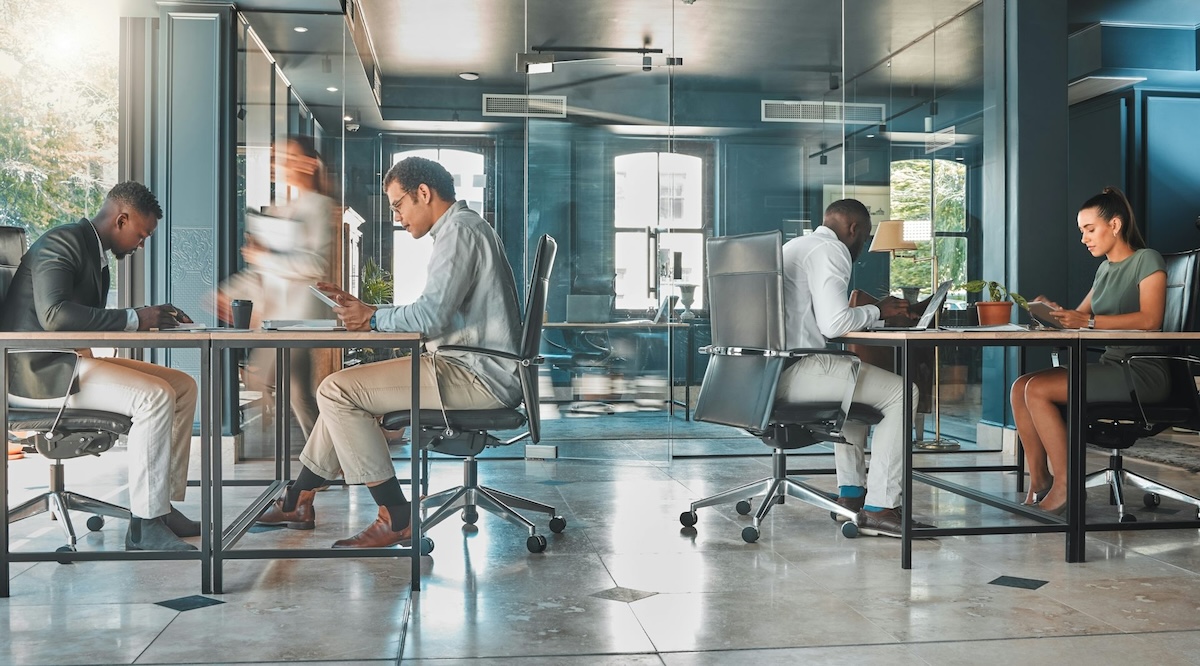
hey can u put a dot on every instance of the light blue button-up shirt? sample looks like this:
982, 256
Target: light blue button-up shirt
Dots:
469, 299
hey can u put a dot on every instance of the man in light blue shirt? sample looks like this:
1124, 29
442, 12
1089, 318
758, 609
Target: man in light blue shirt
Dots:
470, 299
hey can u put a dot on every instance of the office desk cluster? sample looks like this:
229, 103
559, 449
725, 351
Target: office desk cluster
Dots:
216, 541
1076, 343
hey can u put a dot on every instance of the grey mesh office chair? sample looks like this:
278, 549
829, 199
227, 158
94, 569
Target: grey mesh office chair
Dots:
57, 433
1117, 426
745, 298
465, 432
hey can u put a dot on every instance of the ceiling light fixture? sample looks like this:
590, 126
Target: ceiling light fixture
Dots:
834, 83
646, 63
300, 28
535, 63
469, 76
332, 89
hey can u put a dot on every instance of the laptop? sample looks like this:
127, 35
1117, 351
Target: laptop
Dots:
931, 310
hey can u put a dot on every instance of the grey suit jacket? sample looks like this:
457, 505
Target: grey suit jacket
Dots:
59, 286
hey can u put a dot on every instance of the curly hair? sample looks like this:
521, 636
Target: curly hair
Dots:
137, 196
850, 209
412, 172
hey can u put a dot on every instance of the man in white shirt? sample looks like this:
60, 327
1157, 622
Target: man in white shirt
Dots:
816, 280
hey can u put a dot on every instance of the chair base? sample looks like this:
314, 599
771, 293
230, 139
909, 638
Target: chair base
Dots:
773, 489
470, 497
60, 502
1116, 476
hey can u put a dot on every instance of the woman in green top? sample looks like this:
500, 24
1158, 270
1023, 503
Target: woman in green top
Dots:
1129, 293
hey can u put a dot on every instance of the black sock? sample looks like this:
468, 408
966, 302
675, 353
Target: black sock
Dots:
388, 494
306, 480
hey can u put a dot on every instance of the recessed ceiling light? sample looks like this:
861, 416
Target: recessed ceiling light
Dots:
347, 117
300, 28
331, 89
469, 76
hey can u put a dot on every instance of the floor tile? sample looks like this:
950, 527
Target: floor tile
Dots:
67, 632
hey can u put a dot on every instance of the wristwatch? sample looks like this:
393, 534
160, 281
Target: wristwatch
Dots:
1091, 321
372, 324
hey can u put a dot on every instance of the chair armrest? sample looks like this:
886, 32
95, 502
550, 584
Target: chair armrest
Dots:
495, 353
1149, 356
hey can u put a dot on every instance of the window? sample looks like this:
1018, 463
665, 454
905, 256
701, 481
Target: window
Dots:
931, 197
659, 220
410, 257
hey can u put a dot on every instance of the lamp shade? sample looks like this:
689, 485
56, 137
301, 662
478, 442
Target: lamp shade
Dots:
889, 237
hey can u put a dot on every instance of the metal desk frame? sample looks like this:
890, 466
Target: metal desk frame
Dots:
282, 341
122, 340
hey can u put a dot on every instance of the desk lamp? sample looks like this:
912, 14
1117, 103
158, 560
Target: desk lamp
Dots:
895, 236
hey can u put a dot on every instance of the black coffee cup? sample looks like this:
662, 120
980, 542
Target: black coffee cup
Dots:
241, 313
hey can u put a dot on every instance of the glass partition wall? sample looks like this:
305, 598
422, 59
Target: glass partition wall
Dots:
631, 132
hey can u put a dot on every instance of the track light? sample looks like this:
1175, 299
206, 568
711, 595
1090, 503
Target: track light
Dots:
824, 159
646, 63
834, 83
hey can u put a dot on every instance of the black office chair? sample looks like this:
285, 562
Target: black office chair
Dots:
465, 433
745, 298
1117, 426
56, 433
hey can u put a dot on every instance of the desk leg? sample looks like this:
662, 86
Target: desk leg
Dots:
906, 501
689, 370
215, 521
207, 452
4, 553
415, 467
282, 418
1076, 453
283, 389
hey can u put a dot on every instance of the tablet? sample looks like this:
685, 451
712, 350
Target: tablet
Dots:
324, 297
1040, 312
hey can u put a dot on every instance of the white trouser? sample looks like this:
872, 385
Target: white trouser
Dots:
161, 402
824, 378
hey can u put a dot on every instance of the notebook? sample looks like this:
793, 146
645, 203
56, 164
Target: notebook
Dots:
931, 310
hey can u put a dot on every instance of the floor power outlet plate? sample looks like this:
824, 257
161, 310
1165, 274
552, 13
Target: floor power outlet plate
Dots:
541, 451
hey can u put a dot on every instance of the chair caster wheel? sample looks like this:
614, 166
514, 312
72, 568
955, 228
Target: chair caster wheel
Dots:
850, 530
426, 545
688, 518
743, 507
750, 534
470, 516
536, 543
558, 524
1151, 500
1128, 518
95, 523
65, 549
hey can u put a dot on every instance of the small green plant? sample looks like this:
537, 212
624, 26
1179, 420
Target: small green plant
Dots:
996, 291
375, 284
375, 287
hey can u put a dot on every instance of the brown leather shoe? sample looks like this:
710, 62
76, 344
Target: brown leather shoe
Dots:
882, 523
855, 504
303, 517
378, 534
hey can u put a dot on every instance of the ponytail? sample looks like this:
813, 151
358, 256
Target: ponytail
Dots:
1112, 203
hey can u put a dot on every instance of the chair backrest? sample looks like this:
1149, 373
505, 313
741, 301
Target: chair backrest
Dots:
531, 331
1183, 274
12, 248
745, 299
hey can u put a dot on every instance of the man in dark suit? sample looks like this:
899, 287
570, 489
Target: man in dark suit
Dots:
62, 285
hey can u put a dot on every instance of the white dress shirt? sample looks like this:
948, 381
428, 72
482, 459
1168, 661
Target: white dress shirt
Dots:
816, 283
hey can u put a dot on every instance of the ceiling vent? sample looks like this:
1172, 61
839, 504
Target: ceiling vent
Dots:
852, 113
525, 106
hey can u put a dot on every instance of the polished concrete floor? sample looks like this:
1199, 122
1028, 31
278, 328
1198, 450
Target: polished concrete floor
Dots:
624, 584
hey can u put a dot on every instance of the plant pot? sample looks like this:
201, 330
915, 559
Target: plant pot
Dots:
992, 313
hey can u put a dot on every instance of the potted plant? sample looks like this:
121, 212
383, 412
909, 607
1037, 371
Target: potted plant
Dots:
375, 287
998, 308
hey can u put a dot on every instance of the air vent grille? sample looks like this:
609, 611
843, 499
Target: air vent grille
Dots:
852, 113
525, 106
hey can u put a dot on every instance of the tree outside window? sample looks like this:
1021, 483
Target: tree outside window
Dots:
933, 191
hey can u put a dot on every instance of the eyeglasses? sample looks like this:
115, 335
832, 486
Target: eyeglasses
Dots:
395, 206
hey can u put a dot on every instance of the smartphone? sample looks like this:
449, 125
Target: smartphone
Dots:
324, 297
